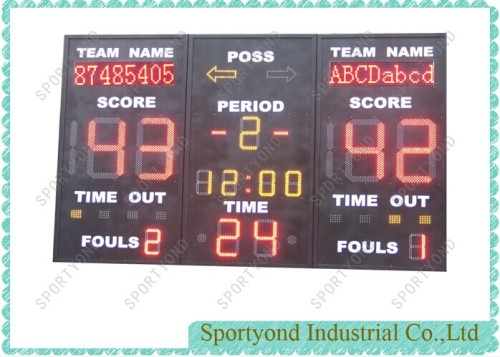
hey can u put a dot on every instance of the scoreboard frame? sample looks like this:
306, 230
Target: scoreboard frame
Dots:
317, 81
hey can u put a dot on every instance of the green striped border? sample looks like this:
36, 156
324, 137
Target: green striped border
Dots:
489, 344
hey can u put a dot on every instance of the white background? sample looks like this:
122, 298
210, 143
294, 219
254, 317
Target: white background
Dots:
90, 310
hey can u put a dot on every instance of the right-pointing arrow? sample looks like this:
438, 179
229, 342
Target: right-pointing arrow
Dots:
288, 73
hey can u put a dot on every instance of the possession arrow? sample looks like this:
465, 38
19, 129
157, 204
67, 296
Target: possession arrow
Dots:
214, 74
289, 74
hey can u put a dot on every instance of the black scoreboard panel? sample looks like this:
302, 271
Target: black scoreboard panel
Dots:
250, 159
271, 150
381, 142
122, 116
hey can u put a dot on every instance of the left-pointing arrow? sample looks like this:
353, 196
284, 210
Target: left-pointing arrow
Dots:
214, 74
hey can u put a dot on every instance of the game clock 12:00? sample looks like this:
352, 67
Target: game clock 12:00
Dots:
313, 151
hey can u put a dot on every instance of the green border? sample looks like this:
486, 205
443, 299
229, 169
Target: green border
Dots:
488, 344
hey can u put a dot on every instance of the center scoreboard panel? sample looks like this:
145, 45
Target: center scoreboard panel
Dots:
251, 152
271, 150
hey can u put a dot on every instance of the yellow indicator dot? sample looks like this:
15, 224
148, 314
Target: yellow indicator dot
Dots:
394, 219
75, 213
424, 219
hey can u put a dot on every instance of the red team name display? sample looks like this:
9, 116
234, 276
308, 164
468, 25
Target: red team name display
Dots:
382, 73
124, 73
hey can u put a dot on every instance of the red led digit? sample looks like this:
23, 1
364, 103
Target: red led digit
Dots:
72, 144
329, 154
235, 225
269, 238
166, 149
365, 150
111, 148
79, 75
152, 242
416, 150
418, 246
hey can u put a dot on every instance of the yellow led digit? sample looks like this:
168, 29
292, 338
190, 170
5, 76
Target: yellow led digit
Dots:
104, 76
129, 73
92, 69
295, 183
168, 73
229, 182
204, 184
267, 183
79, 75
143, 74
249, 133
117, 74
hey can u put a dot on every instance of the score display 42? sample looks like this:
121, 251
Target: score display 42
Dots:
289, 150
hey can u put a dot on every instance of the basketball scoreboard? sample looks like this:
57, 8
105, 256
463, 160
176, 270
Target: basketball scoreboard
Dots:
317, 151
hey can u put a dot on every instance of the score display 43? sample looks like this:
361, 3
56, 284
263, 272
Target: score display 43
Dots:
279, 150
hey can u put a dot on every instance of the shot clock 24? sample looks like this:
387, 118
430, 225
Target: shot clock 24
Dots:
272, 150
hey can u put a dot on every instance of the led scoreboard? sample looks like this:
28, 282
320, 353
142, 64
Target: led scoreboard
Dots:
270, 150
